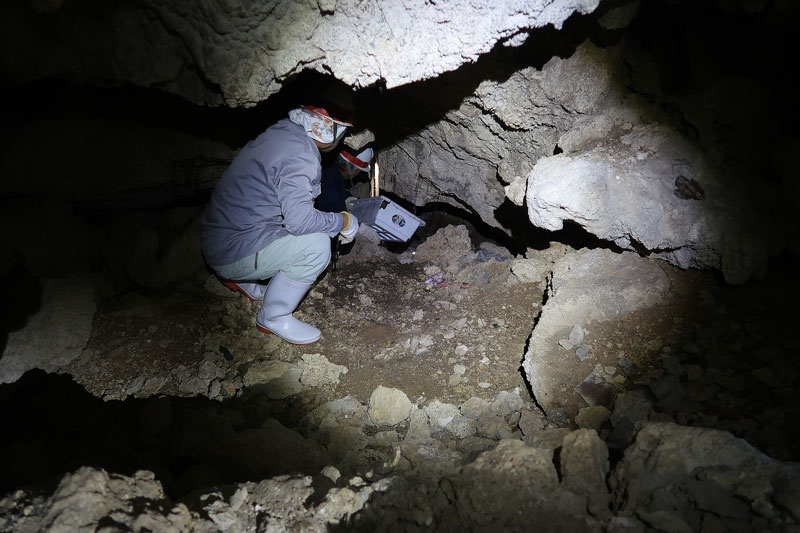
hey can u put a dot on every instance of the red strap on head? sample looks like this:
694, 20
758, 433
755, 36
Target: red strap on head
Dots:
324, 112
354, 160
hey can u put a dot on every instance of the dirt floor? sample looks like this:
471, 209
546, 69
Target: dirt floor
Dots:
449, 339
730, 352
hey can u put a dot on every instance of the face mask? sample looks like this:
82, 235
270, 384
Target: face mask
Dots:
318, 127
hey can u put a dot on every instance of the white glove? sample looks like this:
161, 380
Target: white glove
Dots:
349, 232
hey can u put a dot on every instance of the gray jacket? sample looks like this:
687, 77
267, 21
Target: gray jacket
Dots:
267, 193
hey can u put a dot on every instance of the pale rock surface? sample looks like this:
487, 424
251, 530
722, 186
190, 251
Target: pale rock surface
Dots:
617, 180
499, 131
528, 480
241, 53
388, 407
318, 371
56, 333
587, 286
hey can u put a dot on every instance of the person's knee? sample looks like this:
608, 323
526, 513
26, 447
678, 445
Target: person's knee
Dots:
319, 251
315, 256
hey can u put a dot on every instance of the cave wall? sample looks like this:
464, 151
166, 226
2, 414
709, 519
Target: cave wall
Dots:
498, 132
524, 108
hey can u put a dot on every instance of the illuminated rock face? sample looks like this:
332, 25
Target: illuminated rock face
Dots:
240, 53
576, 133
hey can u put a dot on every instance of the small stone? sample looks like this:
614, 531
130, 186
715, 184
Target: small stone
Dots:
238, 498
418, 314
564, 343
426, 340
214, 389
461, 349
461, 427
530, 422
592, 417
671, 364
506, 403
440, 414
332, 473
628, 367
548, 439
582, 352
577, 334
474, 407
460, 370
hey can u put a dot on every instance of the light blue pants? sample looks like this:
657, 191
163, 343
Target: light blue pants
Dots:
301, 258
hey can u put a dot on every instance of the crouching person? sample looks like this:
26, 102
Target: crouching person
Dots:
261, 222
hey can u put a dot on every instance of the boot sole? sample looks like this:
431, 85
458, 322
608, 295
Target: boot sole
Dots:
262, 329
234, 287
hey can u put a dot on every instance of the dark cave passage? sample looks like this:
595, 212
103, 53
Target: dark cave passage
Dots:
106, 181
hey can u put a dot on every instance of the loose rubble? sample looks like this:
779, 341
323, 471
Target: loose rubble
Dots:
244, 432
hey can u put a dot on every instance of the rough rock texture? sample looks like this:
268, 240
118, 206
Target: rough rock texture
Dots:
624, 182
588, 287
389, 406
240, 53
672, 478
689, 479
531, 492
498, 133
55, 334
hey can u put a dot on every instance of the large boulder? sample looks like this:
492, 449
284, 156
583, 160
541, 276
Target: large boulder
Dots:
648, 189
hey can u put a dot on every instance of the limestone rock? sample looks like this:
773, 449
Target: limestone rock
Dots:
527, 478
388, 407
584, 466
241, 53
277, 378
587, 286
56, 334
625, 192
702, 470
445, 246
592, 417
318, 371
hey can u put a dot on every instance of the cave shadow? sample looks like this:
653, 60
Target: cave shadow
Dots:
735, 362
521, 231
516, 234
732, 363
22, 296
53, 426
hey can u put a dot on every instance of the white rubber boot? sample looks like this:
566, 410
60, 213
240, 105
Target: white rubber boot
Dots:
253, 291
275, 316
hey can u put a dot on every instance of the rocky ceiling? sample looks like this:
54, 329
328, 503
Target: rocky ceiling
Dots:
241, 52
524, 114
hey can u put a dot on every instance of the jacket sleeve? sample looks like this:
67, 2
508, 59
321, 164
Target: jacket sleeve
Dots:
298, 183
